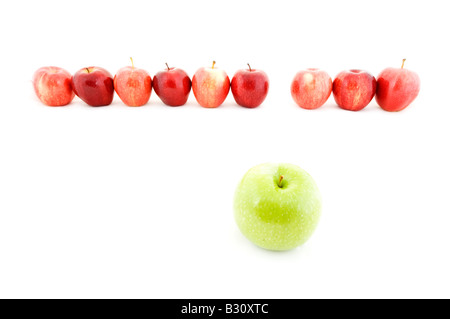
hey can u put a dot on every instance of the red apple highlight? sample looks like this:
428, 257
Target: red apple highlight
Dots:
53, 86
173, 86
94, 85
250, 87
397, 88
354, 89
132, 85
311, 88
210, 86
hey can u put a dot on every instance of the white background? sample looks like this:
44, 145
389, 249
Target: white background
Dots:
137, 202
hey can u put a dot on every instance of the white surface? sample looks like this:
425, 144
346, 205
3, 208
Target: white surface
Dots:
137, 202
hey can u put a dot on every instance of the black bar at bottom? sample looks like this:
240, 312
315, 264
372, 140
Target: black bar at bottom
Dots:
173, 308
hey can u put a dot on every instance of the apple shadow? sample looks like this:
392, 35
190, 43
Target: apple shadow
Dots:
371, 107
229, 104
242, 240
322, 108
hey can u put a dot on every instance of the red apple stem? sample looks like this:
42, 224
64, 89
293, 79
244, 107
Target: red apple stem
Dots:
403, 63
214, 63
279, 182
249, 67
167, 67
87, 69
132, 63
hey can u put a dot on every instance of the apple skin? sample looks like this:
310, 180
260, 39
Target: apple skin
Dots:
250, 87
354, 89
273, 217
311, 88
133, 86
173, 86
53, 86
94, 85
210, 86
396, 89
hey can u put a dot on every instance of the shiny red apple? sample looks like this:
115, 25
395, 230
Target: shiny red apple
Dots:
173, 86
354, 89
250, 87
53, 86
311, 88
94, 85
397, 88
210, 86
133, 85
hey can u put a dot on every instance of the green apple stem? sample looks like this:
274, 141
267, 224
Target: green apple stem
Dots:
279, 182
132, 63
249, 67
168, 69
403, 63
214, 63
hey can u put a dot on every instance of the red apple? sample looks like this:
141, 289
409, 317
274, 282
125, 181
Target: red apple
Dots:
250, 87
53, 86
210, 86
172, 86
353, 90
94, 85
311, 88
133, 85
397, 88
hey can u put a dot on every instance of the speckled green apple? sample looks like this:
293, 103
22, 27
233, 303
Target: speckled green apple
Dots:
277, 206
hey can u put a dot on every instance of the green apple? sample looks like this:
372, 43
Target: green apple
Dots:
277, 206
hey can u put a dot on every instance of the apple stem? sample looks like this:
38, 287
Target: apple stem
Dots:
279, 182
403, 63
214, 63
249, 67
87, 69
168, 69
132, 63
